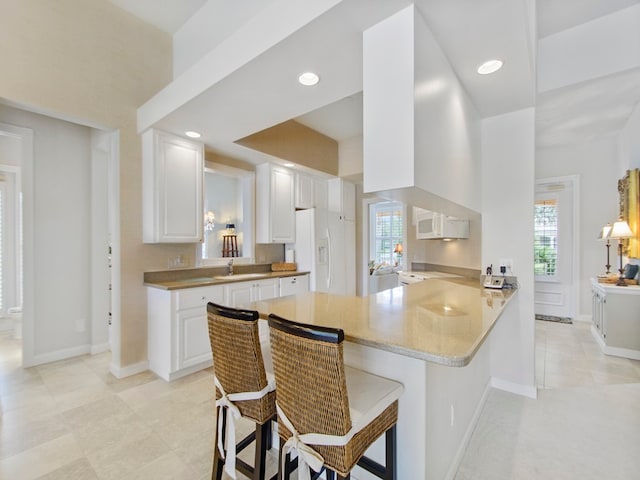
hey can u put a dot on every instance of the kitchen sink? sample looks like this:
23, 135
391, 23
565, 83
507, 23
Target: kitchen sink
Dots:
241, 276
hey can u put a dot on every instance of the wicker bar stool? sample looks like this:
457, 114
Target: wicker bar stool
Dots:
243, 389
328, 413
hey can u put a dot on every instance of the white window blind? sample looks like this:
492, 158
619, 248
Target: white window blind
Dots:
387, 226
545, 246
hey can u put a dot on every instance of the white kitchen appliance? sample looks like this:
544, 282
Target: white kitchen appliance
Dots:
407, 278
325, 246
433, 226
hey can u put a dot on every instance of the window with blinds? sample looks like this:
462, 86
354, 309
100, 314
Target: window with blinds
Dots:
545, 246
387, 225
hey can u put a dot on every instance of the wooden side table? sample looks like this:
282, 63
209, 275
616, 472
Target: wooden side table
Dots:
230, 246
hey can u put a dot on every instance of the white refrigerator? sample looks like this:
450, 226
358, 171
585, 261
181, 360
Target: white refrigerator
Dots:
326, 247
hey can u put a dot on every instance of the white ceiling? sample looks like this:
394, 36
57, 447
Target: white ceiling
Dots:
469, 33
167, 15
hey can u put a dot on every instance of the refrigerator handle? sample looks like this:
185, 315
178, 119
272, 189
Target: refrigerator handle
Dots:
329, 262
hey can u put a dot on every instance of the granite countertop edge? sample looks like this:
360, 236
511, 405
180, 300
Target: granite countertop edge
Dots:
205, 281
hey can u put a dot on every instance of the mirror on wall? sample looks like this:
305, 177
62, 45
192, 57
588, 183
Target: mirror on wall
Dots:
228, 212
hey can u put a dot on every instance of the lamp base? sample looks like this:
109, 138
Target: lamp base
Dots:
621, 282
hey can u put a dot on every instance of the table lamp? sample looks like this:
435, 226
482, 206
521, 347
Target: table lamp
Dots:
604, 235
620, 231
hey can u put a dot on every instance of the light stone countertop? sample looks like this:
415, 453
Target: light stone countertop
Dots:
441, 321
220, 279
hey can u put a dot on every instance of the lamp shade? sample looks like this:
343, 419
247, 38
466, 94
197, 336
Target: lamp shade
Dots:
604, 233
398, 248
620, 230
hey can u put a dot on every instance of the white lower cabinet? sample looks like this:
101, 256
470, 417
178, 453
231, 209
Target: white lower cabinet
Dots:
616, 322
241, 294
177, 330
294, 285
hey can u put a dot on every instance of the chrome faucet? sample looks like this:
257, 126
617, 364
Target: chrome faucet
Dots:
230, 267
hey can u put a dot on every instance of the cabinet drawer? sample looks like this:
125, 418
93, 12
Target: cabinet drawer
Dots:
199, 297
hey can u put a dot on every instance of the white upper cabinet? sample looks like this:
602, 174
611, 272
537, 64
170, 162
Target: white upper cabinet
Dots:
342, 198
304, 191
320, 193
172, 185
275, 210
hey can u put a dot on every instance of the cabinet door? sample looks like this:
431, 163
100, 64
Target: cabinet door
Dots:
275, 210
304, 191
192, 339
239, 295
282, 207
320, 193
342, 198
294, 285
173, 171
266, 289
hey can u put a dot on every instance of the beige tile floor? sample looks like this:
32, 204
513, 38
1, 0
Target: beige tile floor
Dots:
73, 420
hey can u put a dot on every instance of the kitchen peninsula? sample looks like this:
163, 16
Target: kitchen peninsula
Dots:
431, 336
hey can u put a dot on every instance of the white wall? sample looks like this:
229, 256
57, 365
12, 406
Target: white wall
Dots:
420, 129
447, 126
595, 163
594, 49
507, 232
350, 158
62, 243
629, 152
215, 21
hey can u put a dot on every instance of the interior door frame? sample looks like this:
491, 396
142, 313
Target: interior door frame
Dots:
574, 182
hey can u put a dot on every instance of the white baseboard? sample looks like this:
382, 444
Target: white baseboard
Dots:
614, 351
103, 347
453, 468
529, 391
60, 355
122, 372
583, 317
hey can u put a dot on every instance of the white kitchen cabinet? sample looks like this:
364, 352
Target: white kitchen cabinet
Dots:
172, 186
241, 294
177, 330
275, 210
305, 187
616, 323
320, 193
294, 285
342, 198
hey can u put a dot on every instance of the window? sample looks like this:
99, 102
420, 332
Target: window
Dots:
545, 246
387, 231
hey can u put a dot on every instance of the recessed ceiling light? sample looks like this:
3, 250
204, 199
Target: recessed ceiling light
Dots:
490, 66
192, 134
308, 79
289, 165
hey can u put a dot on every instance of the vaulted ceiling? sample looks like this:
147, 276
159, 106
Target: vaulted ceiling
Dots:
469, 33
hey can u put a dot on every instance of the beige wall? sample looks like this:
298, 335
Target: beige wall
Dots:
294, 142
88, 60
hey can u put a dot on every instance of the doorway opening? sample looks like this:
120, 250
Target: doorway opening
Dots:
556, 247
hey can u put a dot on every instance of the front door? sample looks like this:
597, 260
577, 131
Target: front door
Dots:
554, 247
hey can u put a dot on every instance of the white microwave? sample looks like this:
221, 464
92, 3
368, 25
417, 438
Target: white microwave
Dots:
433, 226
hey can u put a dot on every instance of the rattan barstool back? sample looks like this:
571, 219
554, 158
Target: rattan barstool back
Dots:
239, 372
312, 394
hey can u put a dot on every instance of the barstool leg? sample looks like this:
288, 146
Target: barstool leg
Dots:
218, 463
262, 439
390, 454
